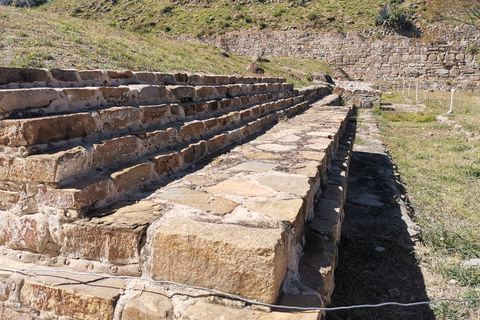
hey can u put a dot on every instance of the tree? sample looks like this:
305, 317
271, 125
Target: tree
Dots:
464, 11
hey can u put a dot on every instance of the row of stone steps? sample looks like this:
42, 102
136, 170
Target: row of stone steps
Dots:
170, 201
14, 78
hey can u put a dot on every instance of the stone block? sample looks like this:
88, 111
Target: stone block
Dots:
91, 75
145, 77
148, 306
28, 132
133, 177
112, 151
200, 200
216, 142
206, 92
29, 232
85, 95
19, 99
291, 211
13, 314
120, 74
210, 124
159, 139
119, 118
166, 163
115, 94
154, 114
245, 261
148, 93
194, 108
183, 93
165, 78
192, 130
22, 75
70, 295
79, 195
181, 77
114, 237
213, 106
240, 187
64, 75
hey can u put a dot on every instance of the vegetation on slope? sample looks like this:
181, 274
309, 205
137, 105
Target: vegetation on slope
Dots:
30, 38
204, 17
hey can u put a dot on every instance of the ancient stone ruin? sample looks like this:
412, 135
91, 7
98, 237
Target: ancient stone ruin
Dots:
114, 181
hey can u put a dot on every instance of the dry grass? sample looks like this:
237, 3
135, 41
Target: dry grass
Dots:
440, 163
31, 38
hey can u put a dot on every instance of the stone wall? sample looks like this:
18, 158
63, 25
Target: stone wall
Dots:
370, 57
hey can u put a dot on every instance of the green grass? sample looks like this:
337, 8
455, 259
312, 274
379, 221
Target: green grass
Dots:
440, 163
32, 38
205, 18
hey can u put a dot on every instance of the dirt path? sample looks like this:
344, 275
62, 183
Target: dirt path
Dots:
376, 253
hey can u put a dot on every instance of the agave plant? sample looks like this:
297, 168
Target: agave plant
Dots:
384, 16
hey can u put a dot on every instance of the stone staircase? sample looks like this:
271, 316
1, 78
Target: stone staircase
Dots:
209, 181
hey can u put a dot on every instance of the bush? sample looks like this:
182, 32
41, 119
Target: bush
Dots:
312, 16
390, 16
472, 48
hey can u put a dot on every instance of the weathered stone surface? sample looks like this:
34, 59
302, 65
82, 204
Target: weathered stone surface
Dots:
115, 94
132, 176
65, 298
114, 150
183, 93
29, 232
283, 210
148, 306
17, 99
78, 195
192, 130
48, 129
200, 200
246, 261
240, 187
262, 156
112, 238
166, 163
271, 147
255, 166
119, 118
64, 75
299, 185
12, 314
216, 142
145, 77
120, 74
152, 114
22, 75
208, 311
85, 95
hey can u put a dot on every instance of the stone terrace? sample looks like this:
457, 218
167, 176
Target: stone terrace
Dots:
229, 183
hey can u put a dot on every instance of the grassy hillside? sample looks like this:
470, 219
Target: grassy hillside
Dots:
32, 38
207, 17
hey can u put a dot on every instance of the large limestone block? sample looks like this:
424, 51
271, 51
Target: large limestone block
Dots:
119, 118
250, 262
21, 75
113, 238
17, 99
28, 232
114, 150
29, 132
78, 297
148, 306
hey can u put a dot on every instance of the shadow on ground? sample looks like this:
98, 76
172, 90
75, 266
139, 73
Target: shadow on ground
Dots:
376, 258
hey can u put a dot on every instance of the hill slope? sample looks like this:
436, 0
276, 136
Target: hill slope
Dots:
207, 17
31, 38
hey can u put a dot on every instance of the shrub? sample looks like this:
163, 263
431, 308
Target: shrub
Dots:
262, 25
309, 76
390, 16
472, 48
167, 9
312, 16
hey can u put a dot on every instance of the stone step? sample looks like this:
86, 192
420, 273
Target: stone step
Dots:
111, 186
11, 78
34, 102
33, 135
235, 225
61, 166
51, 294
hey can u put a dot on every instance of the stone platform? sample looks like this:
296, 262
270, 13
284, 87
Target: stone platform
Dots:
228, 183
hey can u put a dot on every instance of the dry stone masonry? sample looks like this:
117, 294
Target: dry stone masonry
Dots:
366, 56
229, 183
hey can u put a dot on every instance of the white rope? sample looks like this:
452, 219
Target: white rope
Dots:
228, 295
